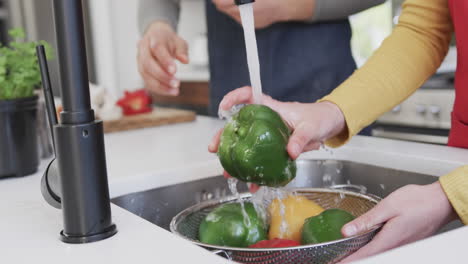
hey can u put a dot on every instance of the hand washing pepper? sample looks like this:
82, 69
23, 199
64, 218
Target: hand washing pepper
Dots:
253, 147
325, 226
275, 243
226, 226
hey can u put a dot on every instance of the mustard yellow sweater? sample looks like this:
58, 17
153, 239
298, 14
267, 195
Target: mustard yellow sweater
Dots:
401, 65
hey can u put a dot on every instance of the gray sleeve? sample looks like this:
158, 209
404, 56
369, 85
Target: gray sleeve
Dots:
152, 10
326, 10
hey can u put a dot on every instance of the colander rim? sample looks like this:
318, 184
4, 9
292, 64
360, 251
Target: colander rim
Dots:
232, 198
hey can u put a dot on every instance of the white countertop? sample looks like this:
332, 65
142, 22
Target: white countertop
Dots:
149, 158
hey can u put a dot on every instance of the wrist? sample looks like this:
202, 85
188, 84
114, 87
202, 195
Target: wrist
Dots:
160, 25
441, 201
336, 122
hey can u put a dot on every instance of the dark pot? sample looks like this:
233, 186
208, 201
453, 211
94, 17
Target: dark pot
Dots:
18, 137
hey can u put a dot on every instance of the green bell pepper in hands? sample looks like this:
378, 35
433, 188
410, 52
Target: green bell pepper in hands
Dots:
253, 147
226, 226
325, 226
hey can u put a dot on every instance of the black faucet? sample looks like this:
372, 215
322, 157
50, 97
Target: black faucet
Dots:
76, 180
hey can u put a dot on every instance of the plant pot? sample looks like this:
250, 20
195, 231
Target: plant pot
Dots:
18, 137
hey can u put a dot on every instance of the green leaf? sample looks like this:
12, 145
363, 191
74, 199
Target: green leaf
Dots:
19, 68
17, 33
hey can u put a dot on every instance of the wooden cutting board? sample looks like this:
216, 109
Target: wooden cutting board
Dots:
159, 116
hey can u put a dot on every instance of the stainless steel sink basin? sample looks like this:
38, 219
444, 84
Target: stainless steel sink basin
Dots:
160, 205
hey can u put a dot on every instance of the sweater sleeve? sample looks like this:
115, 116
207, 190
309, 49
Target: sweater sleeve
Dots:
455, 185
406, 59
327, 10
154, 10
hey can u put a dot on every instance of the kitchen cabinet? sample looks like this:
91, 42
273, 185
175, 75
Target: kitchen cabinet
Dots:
194, 95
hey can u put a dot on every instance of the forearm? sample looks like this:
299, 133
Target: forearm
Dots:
406, 59
455, 185
150, 11
327, 10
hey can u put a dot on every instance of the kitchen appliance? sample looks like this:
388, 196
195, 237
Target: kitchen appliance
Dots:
186, 225
425, 116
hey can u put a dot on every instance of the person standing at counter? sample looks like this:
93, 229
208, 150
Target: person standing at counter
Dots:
286, 29
401, 65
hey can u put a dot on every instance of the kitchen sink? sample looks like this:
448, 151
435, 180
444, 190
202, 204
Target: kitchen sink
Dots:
160, 205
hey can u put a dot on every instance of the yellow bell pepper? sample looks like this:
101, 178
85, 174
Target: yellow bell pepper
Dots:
296, 210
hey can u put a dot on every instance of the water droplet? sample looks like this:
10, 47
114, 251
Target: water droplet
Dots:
326, 178
264, 196
326, 149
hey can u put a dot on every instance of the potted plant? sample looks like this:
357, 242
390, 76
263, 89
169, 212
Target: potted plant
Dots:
19, 78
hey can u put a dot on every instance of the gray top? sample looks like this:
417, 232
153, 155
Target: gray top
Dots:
325, 10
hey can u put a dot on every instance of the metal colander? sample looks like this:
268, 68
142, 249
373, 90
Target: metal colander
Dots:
187, 222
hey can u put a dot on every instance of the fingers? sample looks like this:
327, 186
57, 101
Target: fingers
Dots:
377, 215
213, 147
386, 239
156, 80
244, 95
154, 70
239, 96
156, 62
301, 138
181, 51
155, 86
312, 146
161, 52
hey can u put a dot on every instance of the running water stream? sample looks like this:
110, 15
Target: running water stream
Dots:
247, 17
261, 200
265, 195
232, 184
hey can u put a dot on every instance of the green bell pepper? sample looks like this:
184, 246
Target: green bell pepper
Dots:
253, 147
325, 226
226, 226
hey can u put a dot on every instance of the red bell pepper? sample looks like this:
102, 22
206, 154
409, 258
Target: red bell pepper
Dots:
275, 243
136, 102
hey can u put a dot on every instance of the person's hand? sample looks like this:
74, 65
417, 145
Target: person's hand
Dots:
267, 12
311, 123
157, 52
409, 214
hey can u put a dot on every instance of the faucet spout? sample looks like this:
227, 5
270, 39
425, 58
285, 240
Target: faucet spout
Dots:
76, 181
